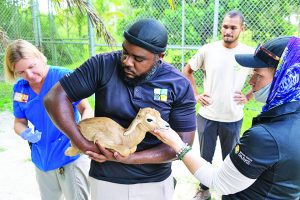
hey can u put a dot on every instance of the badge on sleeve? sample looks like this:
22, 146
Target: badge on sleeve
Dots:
237, 149
160, 94
241, 155
20, 97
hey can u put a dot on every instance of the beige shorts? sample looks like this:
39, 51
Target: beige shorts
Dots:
103, 190
69, 183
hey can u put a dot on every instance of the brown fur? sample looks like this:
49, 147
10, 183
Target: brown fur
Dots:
111, 135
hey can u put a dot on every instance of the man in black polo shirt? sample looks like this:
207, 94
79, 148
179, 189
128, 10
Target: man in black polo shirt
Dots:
123, 82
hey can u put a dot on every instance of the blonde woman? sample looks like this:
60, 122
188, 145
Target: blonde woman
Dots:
58, 176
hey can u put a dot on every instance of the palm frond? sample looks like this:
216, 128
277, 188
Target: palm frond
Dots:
84, 7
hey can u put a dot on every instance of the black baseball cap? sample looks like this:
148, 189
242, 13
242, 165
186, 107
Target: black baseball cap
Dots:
265, 55
148, 34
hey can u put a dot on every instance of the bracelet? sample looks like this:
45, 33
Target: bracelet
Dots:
183, 151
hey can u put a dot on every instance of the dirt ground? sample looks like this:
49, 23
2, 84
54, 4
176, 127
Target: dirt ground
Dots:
17, 176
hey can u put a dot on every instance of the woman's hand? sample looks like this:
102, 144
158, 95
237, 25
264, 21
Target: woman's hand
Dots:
169, 137
31, 135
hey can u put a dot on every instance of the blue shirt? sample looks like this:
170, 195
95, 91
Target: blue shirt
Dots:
48, 153
167, 90
269, 152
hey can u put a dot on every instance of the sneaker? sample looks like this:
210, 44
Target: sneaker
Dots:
202, 195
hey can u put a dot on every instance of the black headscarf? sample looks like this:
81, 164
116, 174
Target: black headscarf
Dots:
148, 34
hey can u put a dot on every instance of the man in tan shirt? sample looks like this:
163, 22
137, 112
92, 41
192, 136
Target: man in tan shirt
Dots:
221, 111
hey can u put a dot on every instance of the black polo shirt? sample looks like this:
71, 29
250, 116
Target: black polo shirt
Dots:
269, 152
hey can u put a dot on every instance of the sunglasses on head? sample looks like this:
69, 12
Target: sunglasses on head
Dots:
266, 55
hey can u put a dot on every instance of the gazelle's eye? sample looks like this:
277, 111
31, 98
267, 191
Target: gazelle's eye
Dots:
149, 120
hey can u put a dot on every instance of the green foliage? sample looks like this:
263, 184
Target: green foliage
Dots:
263, 23
15, 20
251, 110
63, 54
271, 22
5, 96
91, 100
2, 149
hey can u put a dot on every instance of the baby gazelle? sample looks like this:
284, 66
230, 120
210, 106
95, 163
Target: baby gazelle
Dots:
111, 135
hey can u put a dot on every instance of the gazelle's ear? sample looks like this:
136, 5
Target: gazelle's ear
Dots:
132, 126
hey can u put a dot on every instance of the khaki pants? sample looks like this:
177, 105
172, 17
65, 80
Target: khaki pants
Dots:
70, 183
103, 190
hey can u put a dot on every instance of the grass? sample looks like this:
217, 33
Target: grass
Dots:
251, 110
5, 96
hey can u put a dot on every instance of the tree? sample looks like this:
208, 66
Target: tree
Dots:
84, 7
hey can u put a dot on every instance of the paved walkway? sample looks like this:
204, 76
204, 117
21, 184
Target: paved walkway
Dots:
186, 183
17, 177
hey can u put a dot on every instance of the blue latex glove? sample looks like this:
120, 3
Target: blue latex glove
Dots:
31, 136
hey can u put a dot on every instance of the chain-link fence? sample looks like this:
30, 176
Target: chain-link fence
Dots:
64, 36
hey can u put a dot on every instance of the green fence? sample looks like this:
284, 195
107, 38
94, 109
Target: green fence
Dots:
64, 37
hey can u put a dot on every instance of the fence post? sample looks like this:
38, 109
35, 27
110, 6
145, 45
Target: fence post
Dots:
182, 33
91, 33
39, 30
216, 20
34, 22
52, 32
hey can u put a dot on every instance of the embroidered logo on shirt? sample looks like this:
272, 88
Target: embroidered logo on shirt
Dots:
160, 94
20, 97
